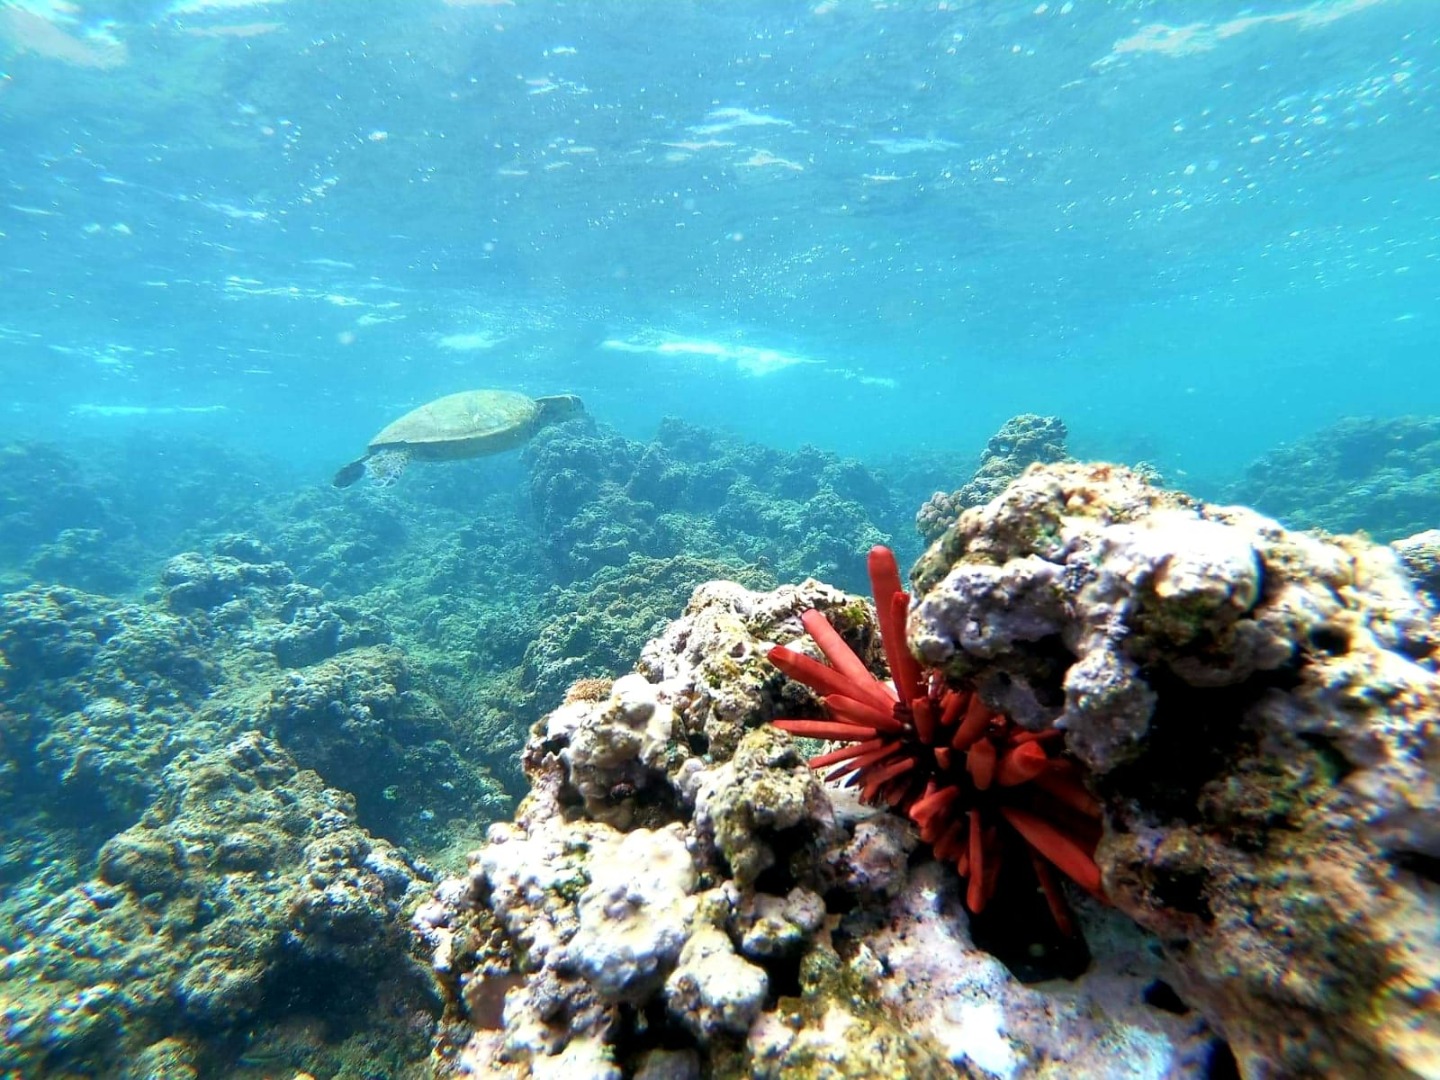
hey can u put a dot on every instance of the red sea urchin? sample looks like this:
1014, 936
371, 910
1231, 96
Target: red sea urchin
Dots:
968, 776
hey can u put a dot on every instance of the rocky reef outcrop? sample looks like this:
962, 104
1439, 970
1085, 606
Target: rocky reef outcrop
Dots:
602, 622
247, 889
1021, 441
1259, 711
599, 497
1255, 711
98, 691
680, 895
363, 720
240, 592
178, 886
104, 693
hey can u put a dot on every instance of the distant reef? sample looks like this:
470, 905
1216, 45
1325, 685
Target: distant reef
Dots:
1380, 476
102, 515
195, 789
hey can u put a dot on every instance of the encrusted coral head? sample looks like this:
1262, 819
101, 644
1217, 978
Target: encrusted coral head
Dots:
966, 775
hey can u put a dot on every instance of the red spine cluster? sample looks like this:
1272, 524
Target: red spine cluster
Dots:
970, 778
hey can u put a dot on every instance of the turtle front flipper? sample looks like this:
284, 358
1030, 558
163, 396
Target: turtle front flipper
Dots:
557, 408
350, 473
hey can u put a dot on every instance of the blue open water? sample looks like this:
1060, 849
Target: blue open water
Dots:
879, 227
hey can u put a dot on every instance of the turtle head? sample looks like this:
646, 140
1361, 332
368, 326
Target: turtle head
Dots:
349, 474
558, 408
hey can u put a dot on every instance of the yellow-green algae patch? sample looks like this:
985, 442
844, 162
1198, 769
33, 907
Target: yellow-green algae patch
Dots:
833, 1030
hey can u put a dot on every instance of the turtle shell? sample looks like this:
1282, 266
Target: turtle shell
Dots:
467, 424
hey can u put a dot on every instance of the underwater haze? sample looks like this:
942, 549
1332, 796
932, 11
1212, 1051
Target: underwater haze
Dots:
875, 227
438, 437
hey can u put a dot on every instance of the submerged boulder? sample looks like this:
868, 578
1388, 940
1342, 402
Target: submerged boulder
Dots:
1259, 711
680, 894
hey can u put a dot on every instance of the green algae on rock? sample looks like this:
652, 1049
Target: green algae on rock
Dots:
247, 885
1021, 441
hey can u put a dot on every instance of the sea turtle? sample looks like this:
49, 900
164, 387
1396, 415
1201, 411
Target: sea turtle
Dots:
468, 424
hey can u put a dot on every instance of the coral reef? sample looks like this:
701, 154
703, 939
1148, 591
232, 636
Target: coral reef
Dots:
247, 889
599, 497
270, 621
1020, 442
1382, 476
169, 878
103, 694
50, 509
361, 721
1255, 711
239, 565
97, 515
241, 594
85, 558
679, 894
599, 626
347, 543
99, 690
1259, 712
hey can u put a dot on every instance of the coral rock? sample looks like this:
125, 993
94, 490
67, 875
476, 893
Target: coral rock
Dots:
193, 581
625, 751
1021, 441
633, 917
745, 807
247, 882
713, 991
570, 939
1421, 555
713, 663
1260, 711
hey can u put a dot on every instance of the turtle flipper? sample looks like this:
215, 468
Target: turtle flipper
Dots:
558, 408
350, 473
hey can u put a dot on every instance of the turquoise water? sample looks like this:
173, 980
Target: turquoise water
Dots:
1194, 231
799, 260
